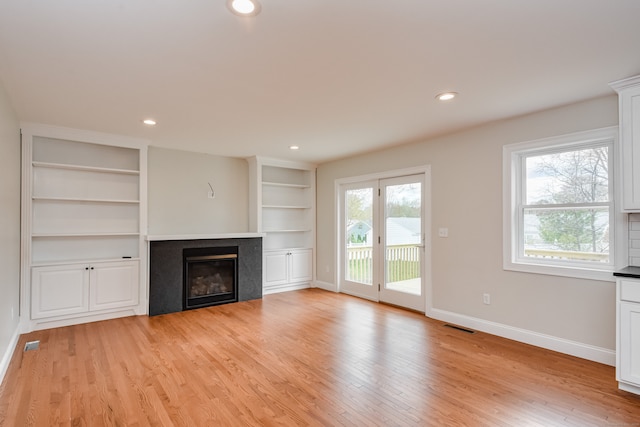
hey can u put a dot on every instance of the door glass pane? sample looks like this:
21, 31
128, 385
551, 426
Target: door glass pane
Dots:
359, 235
403, 237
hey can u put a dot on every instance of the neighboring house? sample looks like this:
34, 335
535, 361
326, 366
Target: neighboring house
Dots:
400, 231
404, 231
359, 233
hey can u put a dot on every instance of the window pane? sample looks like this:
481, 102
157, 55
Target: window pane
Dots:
359, 218
580, 176
567, 234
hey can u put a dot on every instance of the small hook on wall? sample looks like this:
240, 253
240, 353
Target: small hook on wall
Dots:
212, 193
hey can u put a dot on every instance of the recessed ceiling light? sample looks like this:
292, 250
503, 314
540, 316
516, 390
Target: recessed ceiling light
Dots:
244, 7
149, 122
294, 147
446, 96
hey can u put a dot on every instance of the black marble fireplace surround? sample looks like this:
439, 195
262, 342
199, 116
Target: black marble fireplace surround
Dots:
166, 291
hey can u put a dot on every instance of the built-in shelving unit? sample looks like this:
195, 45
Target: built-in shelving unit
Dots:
84, 215
283, 208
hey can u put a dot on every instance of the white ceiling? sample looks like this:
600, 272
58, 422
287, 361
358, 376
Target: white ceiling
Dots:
335, 77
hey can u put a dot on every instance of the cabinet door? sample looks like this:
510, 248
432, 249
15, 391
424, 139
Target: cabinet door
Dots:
59, 290
114, 285
630, 147
275, 268
630, 342
301, 265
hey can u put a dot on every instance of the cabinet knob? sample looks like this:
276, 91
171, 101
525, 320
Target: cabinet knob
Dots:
86, 268
92, 268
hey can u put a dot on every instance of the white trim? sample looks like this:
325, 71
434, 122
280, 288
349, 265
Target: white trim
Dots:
627, 83
331, 287
416, 170
285, 288
80, 318
161, 237
617, 222
8, 354
549, 342
382, 175
70, 134
629, 387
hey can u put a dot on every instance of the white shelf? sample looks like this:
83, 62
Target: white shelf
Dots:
285, 207
285, 185
83, 200
82, 261
293, 230
84, 168
63, 235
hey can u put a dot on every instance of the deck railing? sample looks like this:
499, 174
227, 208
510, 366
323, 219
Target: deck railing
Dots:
571, 255
403, 263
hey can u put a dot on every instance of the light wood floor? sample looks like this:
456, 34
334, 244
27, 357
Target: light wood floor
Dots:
301, 358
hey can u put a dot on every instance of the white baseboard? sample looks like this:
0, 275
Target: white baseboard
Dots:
573, 348
39, 324
8, 354
285, 288
325, 285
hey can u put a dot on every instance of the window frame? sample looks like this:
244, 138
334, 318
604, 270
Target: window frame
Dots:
514, 204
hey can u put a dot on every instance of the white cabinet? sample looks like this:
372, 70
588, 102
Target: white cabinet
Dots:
64, 290
83, 214
629, 112
287, 269
628, 339
59, 291
113, 285
282, 200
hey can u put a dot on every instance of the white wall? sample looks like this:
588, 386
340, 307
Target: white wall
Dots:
9, 229
178, 188
467, 198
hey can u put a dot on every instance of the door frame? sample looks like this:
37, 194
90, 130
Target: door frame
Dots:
426, 267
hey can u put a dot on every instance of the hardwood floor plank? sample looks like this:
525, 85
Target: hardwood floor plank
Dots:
305, 358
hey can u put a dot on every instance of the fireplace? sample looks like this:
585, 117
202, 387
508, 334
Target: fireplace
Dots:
210, 276
167, 267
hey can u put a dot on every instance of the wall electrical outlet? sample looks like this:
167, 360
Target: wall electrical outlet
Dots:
486, 298
443, 232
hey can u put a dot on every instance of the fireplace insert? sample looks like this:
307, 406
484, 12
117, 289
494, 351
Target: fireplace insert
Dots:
210, 276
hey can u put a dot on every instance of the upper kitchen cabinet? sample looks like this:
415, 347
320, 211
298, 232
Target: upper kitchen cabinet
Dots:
629, 112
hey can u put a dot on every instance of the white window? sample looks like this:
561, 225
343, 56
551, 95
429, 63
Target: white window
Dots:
559, 205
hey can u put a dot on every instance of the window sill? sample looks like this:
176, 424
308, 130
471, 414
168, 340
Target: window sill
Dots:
573, 272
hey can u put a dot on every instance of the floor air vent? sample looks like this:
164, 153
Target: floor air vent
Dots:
32, 345
460, 328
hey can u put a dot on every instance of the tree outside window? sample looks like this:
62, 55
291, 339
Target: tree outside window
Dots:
566, 214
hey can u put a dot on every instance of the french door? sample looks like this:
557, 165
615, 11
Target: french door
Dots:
383, 240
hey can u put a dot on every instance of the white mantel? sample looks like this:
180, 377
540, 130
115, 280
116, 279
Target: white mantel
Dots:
161, 237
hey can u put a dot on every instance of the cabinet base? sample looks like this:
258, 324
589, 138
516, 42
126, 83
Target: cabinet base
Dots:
39, 324
285, 288
629, 387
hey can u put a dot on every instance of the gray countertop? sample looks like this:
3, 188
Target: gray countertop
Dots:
630, 271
